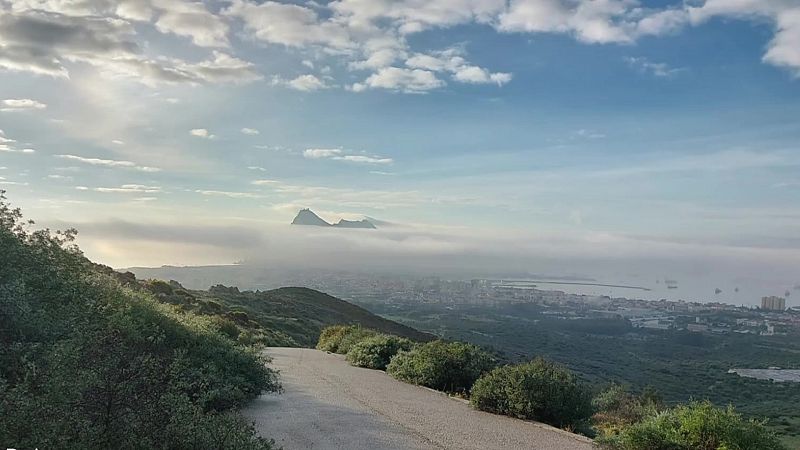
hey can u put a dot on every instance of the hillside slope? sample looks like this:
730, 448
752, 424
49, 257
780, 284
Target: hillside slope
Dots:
284, 317
302, 313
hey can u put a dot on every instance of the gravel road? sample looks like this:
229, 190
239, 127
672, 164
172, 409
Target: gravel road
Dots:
328, 404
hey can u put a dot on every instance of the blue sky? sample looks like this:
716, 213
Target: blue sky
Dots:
669, 123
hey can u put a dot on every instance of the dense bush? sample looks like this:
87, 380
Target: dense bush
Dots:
339, 338
445, 366
696, 426
86, 363
537, 390
375, 352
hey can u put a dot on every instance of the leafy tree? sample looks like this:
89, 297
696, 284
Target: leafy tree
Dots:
445, 366
538, 390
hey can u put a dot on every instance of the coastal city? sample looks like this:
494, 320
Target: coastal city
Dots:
770, 317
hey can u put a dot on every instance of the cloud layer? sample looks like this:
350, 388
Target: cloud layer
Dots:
50, 37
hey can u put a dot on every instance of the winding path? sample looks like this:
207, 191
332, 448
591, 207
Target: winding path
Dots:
328, 404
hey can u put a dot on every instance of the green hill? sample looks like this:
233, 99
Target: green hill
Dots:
90, 359
290, 316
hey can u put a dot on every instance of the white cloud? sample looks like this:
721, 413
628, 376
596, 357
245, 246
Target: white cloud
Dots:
339, 155
401, 80
590, 21
117, 142
784, 48
109, 163
479, 75
59, 177
289, 25
260, 169
306, 83
250, 131
130, 189
228, 194
364, 159
192, 20
589, 134
644, 65
46, 37
318, 153
8, 149
265, 182
202, 133
21, 104
452, 60
7, 145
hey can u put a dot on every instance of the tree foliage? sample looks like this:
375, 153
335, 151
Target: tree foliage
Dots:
87, 363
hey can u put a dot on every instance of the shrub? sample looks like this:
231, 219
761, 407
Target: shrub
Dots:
87, 363
376, 352
696, 426
445, 366
537, 390
339, 338
616, 408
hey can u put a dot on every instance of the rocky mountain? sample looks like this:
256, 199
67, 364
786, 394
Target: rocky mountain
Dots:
308, 217
364, 223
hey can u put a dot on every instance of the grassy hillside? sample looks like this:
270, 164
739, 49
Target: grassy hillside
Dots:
291, 316
89, 362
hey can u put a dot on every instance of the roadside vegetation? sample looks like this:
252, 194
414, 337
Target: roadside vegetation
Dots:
538, 390
550, 393
377, 351
695, 426
445, 366
683, 365
88, 363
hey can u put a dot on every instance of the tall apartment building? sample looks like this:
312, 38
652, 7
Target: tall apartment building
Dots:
773, 303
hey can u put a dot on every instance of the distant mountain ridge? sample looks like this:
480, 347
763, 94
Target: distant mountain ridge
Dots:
308, 217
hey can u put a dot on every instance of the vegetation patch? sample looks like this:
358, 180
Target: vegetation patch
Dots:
696, 426
616, 408
88, 363
538, 390
340, 338
375, 352
445, 366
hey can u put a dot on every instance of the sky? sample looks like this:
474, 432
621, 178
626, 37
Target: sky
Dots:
615, 138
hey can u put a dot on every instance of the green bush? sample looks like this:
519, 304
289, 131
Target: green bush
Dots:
339, 338
696, 426
87, 363
375, 352
537, 390
445, 366
616, 408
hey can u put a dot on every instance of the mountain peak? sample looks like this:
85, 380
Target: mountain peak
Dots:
307, 217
